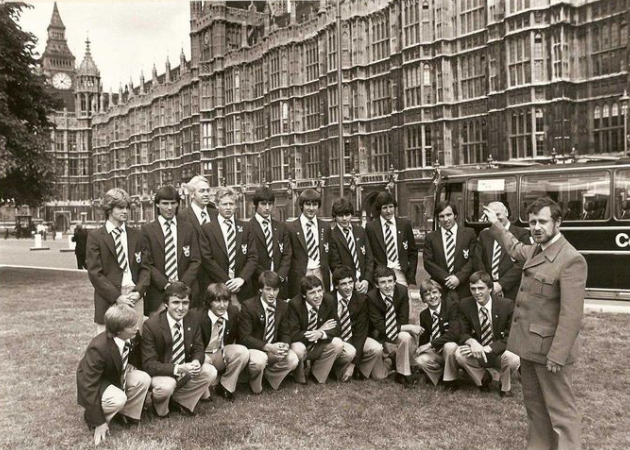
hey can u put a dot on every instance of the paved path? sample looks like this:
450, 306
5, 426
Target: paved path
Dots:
17, 252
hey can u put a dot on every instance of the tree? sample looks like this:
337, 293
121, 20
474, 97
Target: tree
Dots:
27, 172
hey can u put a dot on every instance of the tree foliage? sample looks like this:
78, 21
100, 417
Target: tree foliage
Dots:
27, 172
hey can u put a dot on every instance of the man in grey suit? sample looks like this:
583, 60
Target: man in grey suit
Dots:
546, 324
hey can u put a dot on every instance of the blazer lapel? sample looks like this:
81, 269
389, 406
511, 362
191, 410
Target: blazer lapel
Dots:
342, 237
218, 235
166, 335
258, 232
379, 234
440, 246
115, 352
180, 239
156, 228
300, 233
132, 243
109, 240
399, 238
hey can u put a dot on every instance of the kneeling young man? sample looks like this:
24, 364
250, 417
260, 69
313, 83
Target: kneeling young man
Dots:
107, 383
485, 321
173, 354
264, 330
218, 320
440, 334
314, 330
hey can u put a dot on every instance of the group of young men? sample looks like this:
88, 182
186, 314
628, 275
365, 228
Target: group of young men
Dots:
255, 301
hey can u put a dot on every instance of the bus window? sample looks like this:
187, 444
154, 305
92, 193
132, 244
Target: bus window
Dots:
582, 196
622, 194
483, 191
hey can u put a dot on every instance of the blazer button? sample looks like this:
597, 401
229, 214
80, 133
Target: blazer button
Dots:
515, 320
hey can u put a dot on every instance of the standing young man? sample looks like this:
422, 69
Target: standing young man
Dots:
116, 260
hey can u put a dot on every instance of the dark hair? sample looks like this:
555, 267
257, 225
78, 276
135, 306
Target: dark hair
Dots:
481, 275
382, 272
546, 202
341, 207
176, 289
269, 278
309, 282
441, 206
309, 195
342, 272
428, 285
215, 293
263, 194
166, 193
382, 199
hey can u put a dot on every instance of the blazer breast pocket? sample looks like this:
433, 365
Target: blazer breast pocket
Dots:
544, 285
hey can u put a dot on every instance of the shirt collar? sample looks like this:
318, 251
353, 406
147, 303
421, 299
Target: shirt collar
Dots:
304, 221
453, 229
213, 317
222, 220
120, 343
261, 220
552, 241
198, 210
437, 310
309, 307
384, 221
488, 307
266, 305
110, 227
162, 221
340, 297
172, 322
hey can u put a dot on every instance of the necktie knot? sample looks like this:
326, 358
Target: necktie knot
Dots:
116, 232
178, 326
228, 222
266, 222
388, 300
203, 214
310, 224
435, 315
449, 232
388, 223
346, 231
127, 346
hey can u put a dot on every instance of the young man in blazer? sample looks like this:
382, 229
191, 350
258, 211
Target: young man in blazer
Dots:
219, 320
491, 258
314, 331
108, 384
485, 325
273, 244
388, 306
449, 251
310, 244
360, 352
117, 260
200, 212
392, 241
264, 330
172, 249
349, 246
228, 251
546, 327
440, 336
173, 354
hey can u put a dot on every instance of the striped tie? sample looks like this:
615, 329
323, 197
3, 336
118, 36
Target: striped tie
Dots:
125, 360
391, 331
178, 345
220, 327
353, 251
450, 251
171, 256
311, 245
435, 326
496, 257
231, 245
271, 324
390, 245
120, 252
312, 320
344, 318
268, 241
204, 218
486, 328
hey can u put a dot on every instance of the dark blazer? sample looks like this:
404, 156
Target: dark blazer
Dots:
202, 277
340, 252
298, 321
80, 238
251, 329
434, 258
377, 310
230, 336
502, 310
509, 269
100, 367
104, 272
299, 254
281, 252
407, 251
157, 344
448, 322
359, 319
188, 260
214, 256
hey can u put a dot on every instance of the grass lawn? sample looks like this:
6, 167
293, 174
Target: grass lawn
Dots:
46, 323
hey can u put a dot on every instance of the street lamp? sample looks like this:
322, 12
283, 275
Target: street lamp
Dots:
624, 100
290, 190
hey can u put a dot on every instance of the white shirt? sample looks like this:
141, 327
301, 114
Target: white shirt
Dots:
224, 230
312, 264
214, 319
488, 307
197, 210
120, 343
127, 280
341, 298
162, 221
454, 230
391, 264
436, 310
552, 241
266, 307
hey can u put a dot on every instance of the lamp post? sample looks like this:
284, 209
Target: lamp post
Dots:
291, 190
624, 100
342, 150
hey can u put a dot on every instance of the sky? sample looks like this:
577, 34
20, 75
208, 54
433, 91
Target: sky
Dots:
125, 37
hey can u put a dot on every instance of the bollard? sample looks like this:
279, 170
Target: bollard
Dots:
38, 243
71, 246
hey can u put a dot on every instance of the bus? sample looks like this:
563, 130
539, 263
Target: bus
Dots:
594, 196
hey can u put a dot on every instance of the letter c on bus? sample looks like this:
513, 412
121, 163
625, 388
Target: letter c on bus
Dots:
622, 240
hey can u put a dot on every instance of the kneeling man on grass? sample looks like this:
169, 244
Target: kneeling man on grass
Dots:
108, 384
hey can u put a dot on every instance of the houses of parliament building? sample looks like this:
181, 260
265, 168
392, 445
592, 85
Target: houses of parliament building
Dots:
457, 82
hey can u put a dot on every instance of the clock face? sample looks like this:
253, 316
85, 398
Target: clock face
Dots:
62, 81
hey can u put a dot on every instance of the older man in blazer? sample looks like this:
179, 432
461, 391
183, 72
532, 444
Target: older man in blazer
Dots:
449, 251
117, 260
228, 251
546, 326
392, 241
172, 249
491, 258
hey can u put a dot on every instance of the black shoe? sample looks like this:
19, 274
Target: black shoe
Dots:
124, 421
450, 386
357, 375
174, 406
506, 394
404, 380
223, 393
485, 382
